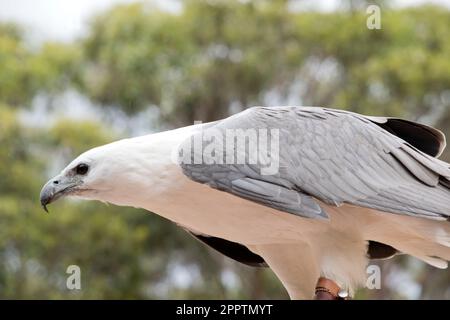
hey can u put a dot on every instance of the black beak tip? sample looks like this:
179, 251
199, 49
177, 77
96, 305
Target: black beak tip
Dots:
45, 200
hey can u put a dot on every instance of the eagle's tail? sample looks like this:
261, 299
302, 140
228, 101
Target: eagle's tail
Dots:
425, 239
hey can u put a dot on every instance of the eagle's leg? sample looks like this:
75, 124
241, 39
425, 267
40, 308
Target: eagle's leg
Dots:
297, 266
327, 289
287, 261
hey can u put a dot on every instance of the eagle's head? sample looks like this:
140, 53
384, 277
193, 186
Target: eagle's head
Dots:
88, 176
108, 173
129, 172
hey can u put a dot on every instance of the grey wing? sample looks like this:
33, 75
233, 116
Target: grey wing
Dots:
233, 179
336, 157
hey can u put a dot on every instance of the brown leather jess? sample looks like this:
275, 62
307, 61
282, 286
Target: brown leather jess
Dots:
327, 289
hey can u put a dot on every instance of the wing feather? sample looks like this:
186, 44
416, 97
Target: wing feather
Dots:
336, 157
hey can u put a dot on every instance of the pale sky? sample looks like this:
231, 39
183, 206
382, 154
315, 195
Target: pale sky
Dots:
60, 20
65, 20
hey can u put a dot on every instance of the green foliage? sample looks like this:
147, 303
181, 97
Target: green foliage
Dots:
25, 73
78, 136
215, 54
192, 65
56, 66
14, 82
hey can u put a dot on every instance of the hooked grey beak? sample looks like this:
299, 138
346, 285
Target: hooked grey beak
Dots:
56, 188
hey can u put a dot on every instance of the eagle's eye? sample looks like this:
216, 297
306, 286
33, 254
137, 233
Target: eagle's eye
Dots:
82, 169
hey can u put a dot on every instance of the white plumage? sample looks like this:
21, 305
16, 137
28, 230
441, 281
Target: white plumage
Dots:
303, 223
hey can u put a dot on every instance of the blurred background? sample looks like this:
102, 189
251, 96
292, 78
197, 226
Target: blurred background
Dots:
77, 74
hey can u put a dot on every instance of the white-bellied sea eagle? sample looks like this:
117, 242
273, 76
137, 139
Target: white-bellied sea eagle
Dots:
313, 193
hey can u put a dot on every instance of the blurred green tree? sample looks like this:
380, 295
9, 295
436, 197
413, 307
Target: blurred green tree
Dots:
25, 73
222, 56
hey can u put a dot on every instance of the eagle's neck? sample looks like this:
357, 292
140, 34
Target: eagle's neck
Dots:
149, 170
